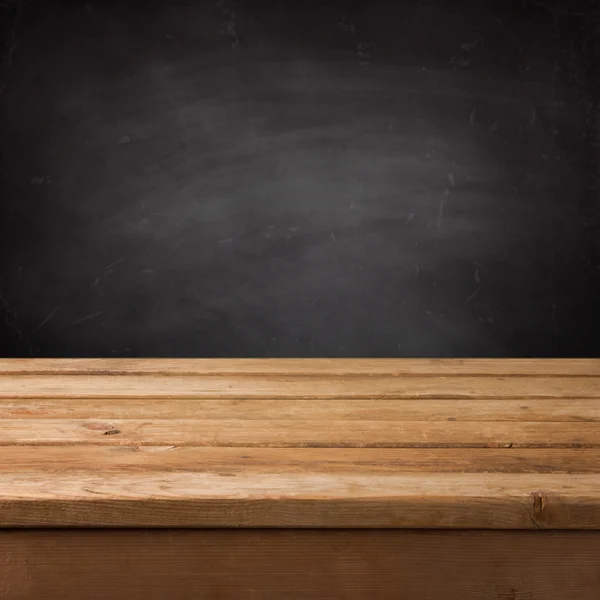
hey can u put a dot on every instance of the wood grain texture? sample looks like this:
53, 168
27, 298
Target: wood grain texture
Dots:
308, 499
344, 409
299, 565
300, 444
298, 434
276, 386
289, 366
62, 460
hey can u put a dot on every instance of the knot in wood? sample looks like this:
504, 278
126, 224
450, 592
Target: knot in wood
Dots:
541, 510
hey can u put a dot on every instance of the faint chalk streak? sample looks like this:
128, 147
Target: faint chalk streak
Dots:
114, 264
473, 295
332, 236
92, 316
44, 322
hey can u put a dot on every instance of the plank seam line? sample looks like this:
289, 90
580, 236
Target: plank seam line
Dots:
292, 375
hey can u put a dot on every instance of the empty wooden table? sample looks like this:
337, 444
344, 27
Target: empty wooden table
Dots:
329, 479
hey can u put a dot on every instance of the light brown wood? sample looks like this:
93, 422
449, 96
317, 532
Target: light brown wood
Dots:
290, 366
299, 565
305, 443
346, 409
62, 460
307, 500
318, 386
298, 434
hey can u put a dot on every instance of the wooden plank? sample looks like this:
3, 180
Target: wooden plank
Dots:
321, 444
305, 367
311, 434
345, 409
154, 460
301, 500
175, 386
296, 565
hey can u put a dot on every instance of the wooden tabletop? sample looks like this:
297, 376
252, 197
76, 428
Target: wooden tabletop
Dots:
512, 444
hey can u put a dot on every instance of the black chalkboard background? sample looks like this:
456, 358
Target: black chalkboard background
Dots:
319, 179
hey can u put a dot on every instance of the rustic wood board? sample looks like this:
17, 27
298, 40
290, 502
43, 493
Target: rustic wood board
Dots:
299, 565
469, 444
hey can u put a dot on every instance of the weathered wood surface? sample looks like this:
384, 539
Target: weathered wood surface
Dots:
299, 565
300, 443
